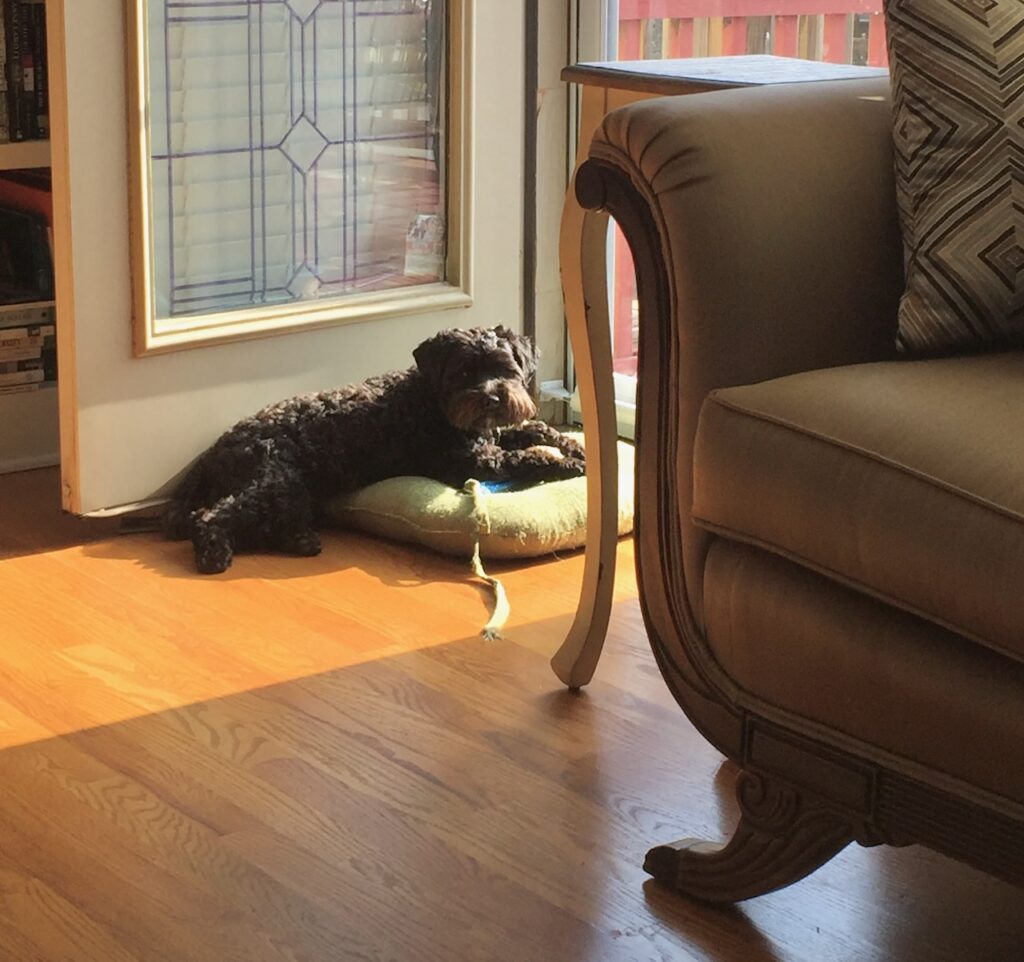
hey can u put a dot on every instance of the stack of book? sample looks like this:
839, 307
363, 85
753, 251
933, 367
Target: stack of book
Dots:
28, 355
24, 104
28, 347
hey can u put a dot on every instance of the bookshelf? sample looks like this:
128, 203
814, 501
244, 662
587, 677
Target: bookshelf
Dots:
29, 419
29, 435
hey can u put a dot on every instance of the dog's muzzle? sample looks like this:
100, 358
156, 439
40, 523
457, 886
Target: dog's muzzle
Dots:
492, 405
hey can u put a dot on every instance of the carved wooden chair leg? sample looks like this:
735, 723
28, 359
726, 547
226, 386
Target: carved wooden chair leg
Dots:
584, 238
782, 836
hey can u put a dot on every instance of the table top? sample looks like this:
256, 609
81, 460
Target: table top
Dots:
670, 76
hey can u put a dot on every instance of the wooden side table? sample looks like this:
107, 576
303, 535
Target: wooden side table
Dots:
583, 255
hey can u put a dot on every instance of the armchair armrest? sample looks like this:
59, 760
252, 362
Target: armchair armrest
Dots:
777, 218
764, 227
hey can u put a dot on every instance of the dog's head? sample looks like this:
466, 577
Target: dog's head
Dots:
481, 376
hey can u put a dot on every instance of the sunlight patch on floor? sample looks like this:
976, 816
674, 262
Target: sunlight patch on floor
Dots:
91, 641
111, 628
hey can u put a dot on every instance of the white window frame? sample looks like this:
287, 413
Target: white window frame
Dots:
594, 35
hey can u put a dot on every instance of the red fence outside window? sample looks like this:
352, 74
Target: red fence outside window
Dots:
836, 31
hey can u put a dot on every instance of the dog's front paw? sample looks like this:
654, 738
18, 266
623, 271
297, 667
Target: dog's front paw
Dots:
548, 451
555, 466
572, 448
213, 552
572, 467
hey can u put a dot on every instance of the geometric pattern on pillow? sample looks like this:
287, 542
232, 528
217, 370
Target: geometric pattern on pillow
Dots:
957, 69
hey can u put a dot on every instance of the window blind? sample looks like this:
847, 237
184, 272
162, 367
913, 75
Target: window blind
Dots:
296, 149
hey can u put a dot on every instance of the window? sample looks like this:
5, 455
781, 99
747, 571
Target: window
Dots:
837, 31
292, 163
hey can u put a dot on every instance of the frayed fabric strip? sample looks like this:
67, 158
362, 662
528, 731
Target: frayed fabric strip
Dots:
482, 524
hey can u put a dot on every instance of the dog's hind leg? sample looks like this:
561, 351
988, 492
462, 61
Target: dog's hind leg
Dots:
178, 518
211, 538
216, 530
293, 531
274, 511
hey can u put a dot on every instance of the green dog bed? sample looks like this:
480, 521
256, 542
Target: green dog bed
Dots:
477, 523
534, 521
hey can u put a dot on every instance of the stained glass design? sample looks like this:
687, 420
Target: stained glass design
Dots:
296, 149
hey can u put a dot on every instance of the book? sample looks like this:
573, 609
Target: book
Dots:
27, 329
29, 364
3, 50
37, 342
42, 77
21, 377
45, 361
8, 354
42, 336
26, 94
5, 128
40, 314
18, 388
28, 69
13, 15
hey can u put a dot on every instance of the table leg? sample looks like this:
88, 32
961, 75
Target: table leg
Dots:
583, 253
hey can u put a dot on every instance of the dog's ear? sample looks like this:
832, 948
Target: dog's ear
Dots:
432, 356
522, 349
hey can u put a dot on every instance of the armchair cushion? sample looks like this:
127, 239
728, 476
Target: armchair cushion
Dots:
902, 479
806, 645
958, 138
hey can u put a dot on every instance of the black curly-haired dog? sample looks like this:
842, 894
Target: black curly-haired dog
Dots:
462, 411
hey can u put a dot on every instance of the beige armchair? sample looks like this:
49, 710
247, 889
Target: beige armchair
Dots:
830, 539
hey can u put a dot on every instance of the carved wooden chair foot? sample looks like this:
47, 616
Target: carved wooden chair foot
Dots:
782, 836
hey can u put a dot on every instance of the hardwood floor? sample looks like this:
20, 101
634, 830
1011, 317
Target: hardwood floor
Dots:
319, 759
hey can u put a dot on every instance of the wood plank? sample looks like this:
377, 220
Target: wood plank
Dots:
24, 154
30, 522
319, 759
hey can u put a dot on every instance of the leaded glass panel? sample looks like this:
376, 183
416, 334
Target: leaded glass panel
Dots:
296, 150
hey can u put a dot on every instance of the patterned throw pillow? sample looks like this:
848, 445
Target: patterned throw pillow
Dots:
958, 101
